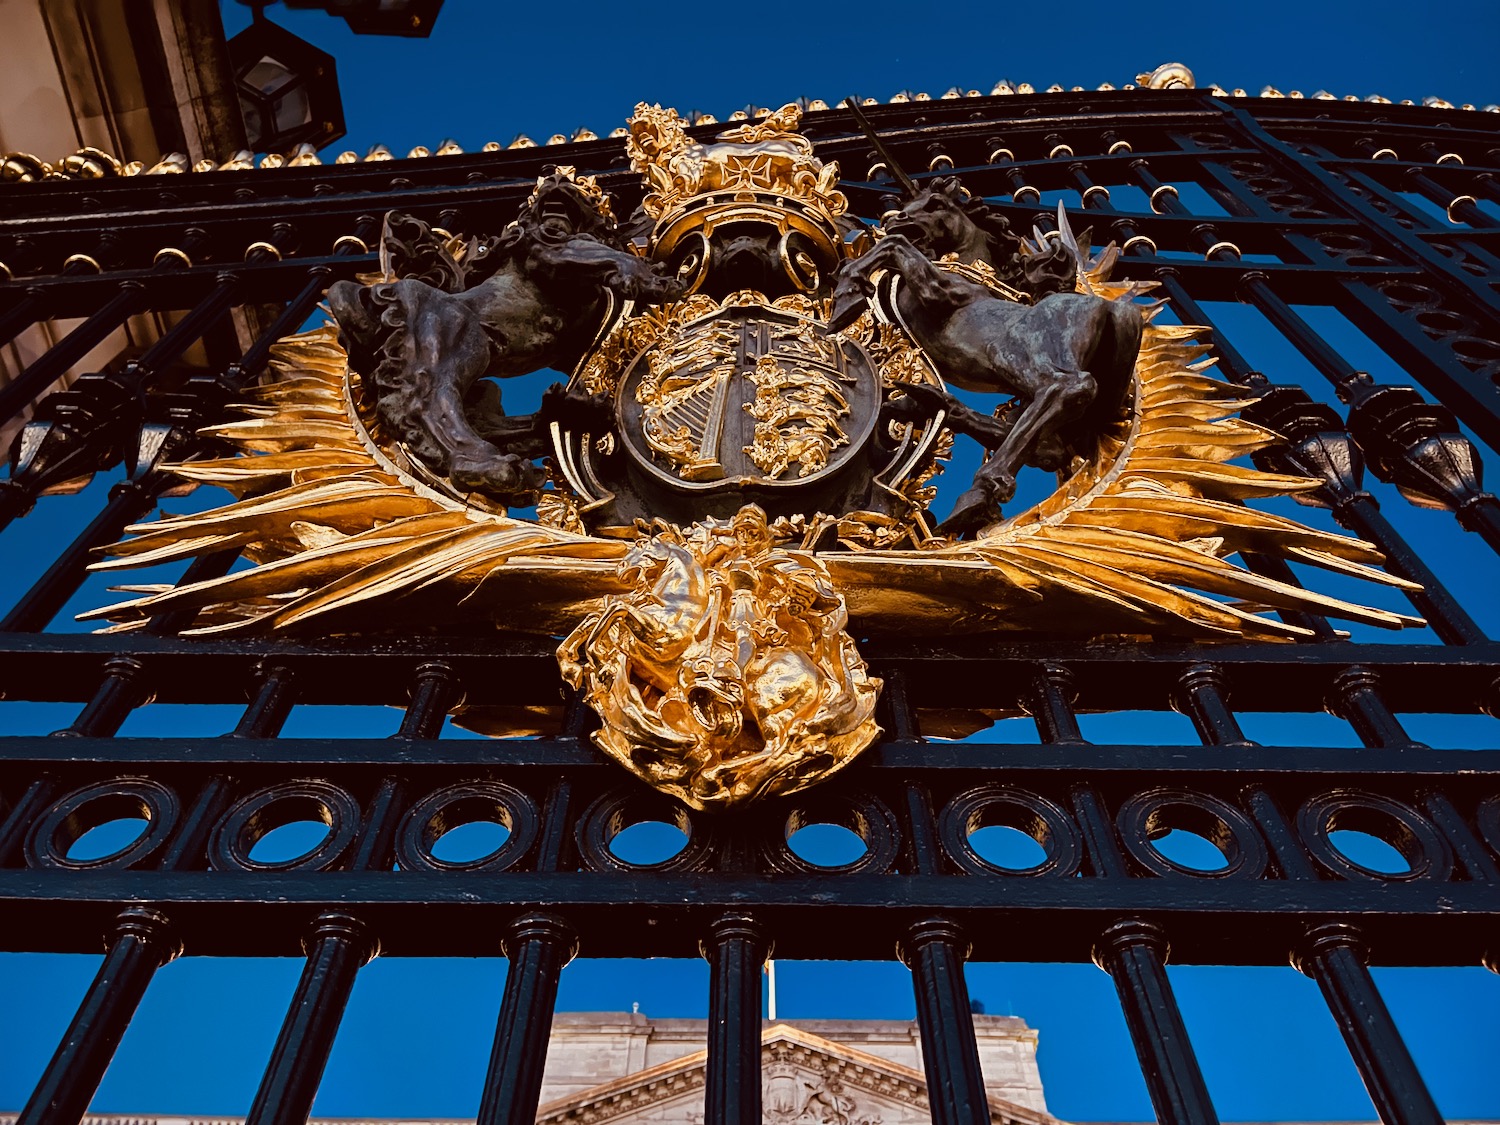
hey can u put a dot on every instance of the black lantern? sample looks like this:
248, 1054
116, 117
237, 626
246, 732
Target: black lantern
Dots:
288, 89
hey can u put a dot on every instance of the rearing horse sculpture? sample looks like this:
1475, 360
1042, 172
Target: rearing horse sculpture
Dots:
1067, 358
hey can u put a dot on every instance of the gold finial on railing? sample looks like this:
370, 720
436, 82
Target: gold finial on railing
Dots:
1168, 76
172, 164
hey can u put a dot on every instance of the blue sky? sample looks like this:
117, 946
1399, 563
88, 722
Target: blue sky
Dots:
492, 70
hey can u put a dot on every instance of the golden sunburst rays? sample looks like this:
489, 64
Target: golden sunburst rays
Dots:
333, 526
1139, 539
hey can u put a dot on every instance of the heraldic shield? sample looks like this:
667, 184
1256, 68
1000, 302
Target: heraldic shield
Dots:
737, 479
760, 400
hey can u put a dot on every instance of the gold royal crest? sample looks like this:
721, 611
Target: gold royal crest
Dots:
739, 471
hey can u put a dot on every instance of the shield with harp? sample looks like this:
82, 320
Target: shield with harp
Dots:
750, 399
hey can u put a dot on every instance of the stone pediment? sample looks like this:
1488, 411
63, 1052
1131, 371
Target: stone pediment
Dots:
806, 1080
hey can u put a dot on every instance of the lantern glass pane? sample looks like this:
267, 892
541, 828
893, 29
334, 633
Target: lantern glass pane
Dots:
269, 76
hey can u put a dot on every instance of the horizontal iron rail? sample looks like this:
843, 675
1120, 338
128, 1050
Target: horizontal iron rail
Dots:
1081, 111
1129, 763
216, 212
1210, 280
1223, 921
1262, 677
182, 289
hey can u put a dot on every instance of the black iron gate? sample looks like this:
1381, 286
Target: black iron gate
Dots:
1372, 209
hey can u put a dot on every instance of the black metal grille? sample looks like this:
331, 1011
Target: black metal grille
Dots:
1371, 210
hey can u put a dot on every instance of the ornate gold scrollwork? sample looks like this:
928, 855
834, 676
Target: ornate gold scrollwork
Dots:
726, 673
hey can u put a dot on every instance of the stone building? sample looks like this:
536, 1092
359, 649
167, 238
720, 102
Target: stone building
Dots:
629, 1069
622, 1068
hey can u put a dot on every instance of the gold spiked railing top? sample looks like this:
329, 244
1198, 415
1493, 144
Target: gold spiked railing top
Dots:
93, 163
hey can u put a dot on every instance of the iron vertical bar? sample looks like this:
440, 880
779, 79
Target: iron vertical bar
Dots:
555, 825
128, 501
203, 568
538, 946
431, 697
268, 709
1322, 355
1050, 702
1189, 311
1482, 516
1456, 206
935, 950
336, 949
1202, 696
23, 814
297, 310
22, 315
141, 942
898, 709
736, 950
187, 331
926, 851
263, 718
119, 693
1098, 834
1448, 618
1476, 861
1356, 699
1469, 395
186, 847
21, 391
1334, 956
373, 851
1134, 954
1284, 842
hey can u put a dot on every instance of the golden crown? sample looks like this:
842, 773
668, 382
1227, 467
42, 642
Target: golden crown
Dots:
763, 171
587, 185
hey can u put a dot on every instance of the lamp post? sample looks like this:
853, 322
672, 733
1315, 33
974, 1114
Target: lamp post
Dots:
288, 89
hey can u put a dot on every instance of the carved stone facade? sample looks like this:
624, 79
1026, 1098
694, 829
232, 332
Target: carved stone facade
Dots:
624, 1069
618, 1068
79, 73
